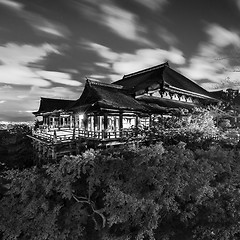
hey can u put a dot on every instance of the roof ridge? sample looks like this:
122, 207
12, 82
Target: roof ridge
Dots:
58, 99
111, 85
146, 70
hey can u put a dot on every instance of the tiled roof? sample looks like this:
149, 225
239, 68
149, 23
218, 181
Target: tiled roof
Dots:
177, 80
162, 75
142, 79
51, 104
107, 96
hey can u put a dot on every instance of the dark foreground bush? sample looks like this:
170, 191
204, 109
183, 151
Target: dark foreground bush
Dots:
130, 193
15, 148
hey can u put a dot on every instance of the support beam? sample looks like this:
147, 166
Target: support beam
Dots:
150, 120
95, 122
105, 125
120, 124
59, 121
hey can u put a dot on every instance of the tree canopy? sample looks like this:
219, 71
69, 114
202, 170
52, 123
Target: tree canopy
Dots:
150, 192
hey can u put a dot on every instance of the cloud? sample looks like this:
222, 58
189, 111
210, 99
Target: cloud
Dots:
42, 25
120, 21
19, 102
222, 37
54, 92
167, 36
102, 64
153, 4
103, 51
12, 4
16, 60
14, 54
123, 23
217, 59
124, 63
58, 77
237, 3
39, 23
144, 58
96, 77
21, 76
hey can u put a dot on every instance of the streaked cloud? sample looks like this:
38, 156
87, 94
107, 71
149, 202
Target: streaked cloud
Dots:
54, 92
21, 76
16, 58
44, 25
14, 54
39, 23
17, 102
167, 36
217, 59
58, 77
105, 52
12, 4
144, 58
153, 4
102, 64
123, 23
96, 77
237, 3
222, 37
118, 20
123, 63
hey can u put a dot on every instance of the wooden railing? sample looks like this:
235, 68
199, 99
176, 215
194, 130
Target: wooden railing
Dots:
55, 136
105, 134
51, 137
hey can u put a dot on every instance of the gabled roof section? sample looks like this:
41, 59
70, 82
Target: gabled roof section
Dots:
142, 79
180, 82
162, 75
51, 105
105, 95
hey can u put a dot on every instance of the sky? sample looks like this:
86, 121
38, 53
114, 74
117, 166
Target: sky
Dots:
48, 48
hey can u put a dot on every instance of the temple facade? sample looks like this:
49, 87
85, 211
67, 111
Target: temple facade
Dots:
107, 114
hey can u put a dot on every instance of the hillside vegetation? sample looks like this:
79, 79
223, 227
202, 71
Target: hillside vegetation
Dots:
184, 186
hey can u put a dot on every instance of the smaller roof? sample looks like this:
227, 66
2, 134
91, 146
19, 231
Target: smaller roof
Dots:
103, 95
51, 105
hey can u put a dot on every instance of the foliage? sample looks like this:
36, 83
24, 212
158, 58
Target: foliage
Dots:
15, 147
197, 130
127, 193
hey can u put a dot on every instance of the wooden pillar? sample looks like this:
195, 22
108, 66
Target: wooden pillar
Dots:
150, 120
136, 121
120, 123
105, 124
59, 121
48, 122
136, 125
85, 122
71, 122
74, 126
95, 122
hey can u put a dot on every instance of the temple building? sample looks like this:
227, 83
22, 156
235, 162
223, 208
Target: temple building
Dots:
107, 114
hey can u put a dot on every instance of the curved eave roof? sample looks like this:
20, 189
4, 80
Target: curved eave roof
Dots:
48, 105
